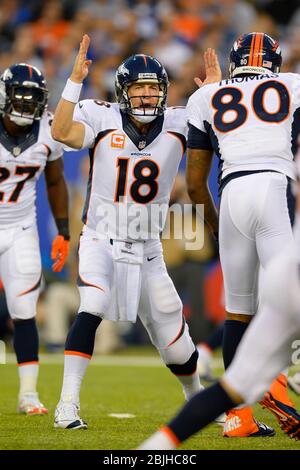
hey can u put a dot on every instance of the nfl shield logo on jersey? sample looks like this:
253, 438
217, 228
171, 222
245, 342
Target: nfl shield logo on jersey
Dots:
16, 151
142, 144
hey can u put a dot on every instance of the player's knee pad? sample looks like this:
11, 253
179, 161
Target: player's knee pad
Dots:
23, 305
188, 368
22, 285
180, 349
164, 299
281, 286
93, 300
27, 257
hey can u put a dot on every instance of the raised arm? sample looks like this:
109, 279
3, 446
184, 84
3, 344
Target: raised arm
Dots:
212, 69
63, 128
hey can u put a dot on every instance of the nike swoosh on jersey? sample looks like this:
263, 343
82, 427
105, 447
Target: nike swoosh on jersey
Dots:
150, 259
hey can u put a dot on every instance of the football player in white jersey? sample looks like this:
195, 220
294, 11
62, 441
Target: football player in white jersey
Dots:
263, 352
251, 121
26, 150
135, 147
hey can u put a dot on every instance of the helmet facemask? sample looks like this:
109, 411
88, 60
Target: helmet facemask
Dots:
144, 111
26, 103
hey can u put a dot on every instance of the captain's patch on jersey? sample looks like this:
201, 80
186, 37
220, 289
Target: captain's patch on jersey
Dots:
117, 141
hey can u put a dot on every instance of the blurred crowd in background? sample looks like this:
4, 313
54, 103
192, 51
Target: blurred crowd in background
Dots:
46, 33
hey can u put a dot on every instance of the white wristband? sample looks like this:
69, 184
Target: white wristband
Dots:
72, 91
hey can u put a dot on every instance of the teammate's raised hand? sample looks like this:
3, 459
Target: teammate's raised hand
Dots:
212, 69
81, 64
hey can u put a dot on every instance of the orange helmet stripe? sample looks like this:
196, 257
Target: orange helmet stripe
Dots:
255, 58
250, 60
260, 50
255, 50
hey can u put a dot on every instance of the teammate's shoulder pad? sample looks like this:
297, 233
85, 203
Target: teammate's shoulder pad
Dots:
203, 91
176, 115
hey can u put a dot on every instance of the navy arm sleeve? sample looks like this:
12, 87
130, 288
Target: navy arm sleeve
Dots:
198, 139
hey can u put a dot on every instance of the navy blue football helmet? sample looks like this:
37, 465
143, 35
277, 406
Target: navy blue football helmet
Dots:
254, 53
140, 68
26, 93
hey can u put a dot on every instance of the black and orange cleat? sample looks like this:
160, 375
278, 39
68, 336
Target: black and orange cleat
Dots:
287, 416
241, 423
278, 402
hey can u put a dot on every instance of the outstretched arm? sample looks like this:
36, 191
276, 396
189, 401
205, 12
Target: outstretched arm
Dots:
63, 128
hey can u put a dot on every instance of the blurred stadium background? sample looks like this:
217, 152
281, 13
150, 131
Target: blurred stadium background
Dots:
46, 34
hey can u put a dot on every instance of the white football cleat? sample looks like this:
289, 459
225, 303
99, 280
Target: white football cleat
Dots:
221, 419
30, 405
204, 364
67, 417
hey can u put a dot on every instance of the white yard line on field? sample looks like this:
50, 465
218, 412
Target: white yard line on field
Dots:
109, 360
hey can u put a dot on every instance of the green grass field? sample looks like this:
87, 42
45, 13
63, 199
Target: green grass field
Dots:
149, 392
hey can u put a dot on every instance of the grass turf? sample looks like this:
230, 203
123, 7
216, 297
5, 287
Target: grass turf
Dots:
150, 393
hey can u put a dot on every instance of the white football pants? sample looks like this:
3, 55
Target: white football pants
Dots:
267, 346
20, 269
160, 308
254, 227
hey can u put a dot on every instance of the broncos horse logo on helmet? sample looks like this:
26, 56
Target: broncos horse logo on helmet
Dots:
26, 94
254, 53
140, 68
